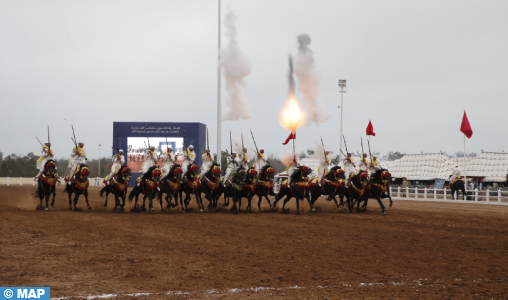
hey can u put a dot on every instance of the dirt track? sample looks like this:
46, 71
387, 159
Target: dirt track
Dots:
419, 250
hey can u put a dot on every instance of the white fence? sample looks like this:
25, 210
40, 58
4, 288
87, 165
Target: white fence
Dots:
21, 181
445, 195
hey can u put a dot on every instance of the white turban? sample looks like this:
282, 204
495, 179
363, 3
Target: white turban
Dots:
234, 152
190, 146
120, 150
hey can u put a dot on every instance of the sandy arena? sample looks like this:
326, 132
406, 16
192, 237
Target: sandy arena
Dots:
419, 250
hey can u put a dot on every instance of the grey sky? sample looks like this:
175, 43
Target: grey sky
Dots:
412, 68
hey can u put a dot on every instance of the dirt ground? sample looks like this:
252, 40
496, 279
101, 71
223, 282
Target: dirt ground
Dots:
419, 250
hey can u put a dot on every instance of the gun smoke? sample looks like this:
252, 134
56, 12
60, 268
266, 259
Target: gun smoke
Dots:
308, 80
235, 67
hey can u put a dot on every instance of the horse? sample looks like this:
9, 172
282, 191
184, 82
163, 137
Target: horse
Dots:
79, 185
456, 186
357, 190
249, 188
299, 188
148, 183
331, 184
172, 186
265, 185
118, 186
46, 183
379, 188
234, 188
210, 184
191, 185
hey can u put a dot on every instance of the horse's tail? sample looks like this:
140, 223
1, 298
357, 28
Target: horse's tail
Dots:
101, 194
133, 193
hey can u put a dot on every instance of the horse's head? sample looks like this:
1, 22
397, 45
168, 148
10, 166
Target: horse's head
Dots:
252, 174
305, 171
156, 174
50, 168
269, 172
125, 173
338, 173
83, 173
214, 171
240, 176
176, 172
385, 175
363, 176
193, 170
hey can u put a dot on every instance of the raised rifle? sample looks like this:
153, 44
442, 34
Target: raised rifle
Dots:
167, 145
257, 151
39, 141
147, 137
371, 162
324, 151
49, 141
117, 141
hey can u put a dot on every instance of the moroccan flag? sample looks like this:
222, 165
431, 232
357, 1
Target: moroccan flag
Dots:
290, 137
465, 127
370, 129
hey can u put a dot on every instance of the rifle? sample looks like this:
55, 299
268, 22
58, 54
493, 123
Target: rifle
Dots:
230, 143
324, 151
49, 141
208, 144
39, 141
241, 134
371, 162
167, 145
74, 140
117, 141
257, 151
361, 139
147, 137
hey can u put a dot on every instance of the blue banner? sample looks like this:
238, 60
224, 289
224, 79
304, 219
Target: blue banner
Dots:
25, 293
438, 184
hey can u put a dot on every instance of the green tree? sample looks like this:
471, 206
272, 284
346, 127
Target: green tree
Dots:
394, 155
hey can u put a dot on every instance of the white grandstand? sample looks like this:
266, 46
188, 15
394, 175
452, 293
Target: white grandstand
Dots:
422, 167
491, 166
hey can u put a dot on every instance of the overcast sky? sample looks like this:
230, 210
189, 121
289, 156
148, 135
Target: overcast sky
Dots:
412, 67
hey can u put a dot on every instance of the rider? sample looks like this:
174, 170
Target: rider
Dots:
364, 163
260, 160
208, 160
232, 166
78, 156
324, 163
349, 166
244, 159
455, 174
188, 158
374, 165
46, 154
168, 160
116, 164
150, 159
292, 166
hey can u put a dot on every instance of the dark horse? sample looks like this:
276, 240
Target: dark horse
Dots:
234, 188
249, 188
79, 185
265, 185
191, 185
457, 186
379, 188
118, 186
148, 184
331, 185
357, 189
299, 188
172, 186
46, 183
210, 184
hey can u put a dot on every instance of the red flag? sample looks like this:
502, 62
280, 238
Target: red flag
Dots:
370, 129
290, 137
465, 127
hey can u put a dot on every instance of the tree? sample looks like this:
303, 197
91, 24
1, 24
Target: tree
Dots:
461, 154
335, 160
394, 155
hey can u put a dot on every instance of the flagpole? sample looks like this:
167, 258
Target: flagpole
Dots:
464, 164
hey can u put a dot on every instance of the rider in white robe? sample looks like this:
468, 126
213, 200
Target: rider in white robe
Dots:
78, 156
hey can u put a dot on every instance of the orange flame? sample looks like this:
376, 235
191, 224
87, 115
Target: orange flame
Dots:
292, 116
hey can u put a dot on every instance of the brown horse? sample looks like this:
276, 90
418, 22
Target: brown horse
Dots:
79, 185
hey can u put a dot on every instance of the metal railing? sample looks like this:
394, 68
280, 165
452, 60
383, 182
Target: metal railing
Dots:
497, 196
20, 181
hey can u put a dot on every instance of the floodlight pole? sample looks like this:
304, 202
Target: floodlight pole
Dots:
99, 161
219, 108
342, 86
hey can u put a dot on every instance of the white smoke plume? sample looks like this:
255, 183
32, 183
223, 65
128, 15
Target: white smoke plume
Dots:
235, 67
308, 80
237, 146
288, 156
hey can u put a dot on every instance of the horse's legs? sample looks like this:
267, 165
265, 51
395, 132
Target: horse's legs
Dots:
76, 196
298, 206
197, 193
123, 199
46, 196
69, 194
53, 191
285, 201
85, 193
234, 204
307, 196
383, 209
150, 200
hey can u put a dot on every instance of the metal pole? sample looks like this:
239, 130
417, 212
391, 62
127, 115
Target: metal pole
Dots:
219, 108
342, 85
99, 161
464, 165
